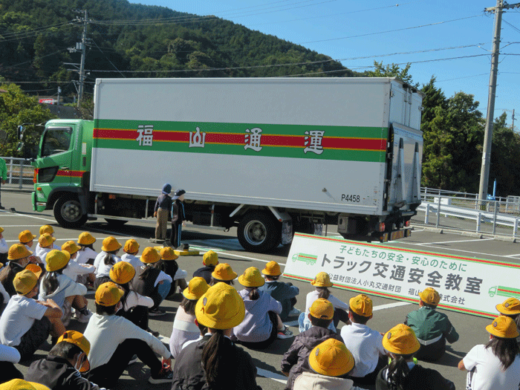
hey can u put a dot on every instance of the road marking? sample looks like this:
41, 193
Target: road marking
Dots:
271, 375
203, 249
457, 250
31, 216
518, 254
390, 306
67, 239
451, 242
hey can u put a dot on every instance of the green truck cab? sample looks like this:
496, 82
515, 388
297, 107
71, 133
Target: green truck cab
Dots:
62, 171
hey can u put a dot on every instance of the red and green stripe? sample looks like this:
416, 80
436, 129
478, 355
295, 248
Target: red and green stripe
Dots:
339, 142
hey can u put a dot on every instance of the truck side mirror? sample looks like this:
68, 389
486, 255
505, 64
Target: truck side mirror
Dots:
19, 132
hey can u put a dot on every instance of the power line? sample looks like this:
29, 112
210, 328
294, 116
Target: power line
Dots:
389, 31
31, 34
111, 63
506, 22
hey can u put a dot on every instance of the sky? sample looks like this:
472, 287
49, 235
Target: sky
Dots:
346, 30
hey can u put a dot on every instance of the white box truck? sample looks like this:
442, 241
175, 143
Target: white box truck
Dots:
267, 155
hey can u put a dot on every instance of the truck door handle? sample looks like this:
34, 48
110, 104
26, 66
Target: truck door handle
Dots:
65, 168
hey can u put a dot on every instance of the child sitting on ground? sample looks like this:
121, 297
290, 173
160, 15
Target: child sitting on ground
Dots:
62, 289
105, 260
402, 372
27, 238
45, 245
210, 261
223, 273
330, 363
285, 293
294, 361
363, 342
3, 247
62, 367
131, 250
184, 327
75, 270
25, 323
171, 268
495, 365
322, 282
45, 229
262, 323
86, 254
432, 328
511, 308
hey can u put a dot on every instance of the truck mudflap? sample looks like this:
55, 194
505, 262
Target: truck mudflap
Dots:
395, 235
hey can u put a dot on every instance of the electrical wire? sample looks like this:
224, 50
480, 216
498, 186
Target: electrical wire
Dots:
111, 63
511, 25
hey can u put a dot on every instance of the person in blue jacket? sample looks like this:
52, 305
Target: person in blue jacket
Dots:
178, 218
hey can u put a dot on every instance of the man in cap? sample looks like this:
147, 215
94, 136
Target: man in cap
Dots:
25, 324
432, 328
178, 218
62, 367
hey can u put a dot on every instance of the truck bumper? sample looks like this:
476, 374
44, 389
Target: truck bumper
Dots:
38, 206
385, 237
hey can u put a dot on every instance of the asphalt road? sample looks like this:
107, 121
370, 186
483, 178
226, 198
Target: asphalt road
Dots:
387, 312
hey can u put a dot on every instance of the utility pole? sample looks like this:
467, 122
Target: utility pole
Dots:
488, 135
81, 47
513, 121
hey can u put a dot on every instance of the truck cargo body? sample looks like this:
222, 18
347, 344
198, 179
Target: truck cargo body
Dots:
261, 154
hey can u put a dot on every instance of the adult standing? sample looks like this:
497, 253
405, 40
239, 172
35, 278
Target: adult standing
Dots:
161, 211
3, 178
178, 218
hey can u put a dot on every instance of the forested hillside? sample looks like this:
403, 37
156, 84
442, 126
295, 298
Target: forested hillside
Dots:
148, 40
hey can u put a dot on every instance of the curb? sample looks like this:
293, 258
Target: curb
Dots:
434, 230
27, 190
470, 234
504, 238
473, 234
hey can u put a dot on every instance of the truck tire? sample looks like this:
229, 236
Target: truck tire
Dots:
115, 222
67, 211
259, 232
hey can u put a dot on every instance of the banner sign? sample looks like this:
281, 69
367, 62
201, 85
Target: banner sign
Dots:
467, 285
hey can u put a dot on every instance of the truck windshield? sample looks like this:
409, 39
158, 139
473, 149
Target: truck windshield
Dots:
56, 141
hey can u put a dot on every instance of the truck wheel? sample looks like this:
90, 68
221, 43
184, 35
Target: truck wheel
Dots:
259, 232
67, 211
115, 222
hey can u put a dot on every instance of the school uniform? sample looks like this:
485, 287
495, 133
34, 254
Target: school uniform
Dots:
418, 378
86, 256
39, 250
7, 275
135, 309
134, 260
58, 374
485, 371
313, 381
285, 293
259, 327
73, 270
432, 329
66, 288
366, 346
189, 374
296, 360
113, 342
205, 272
102, 269
184, 330
149, 287
23, 325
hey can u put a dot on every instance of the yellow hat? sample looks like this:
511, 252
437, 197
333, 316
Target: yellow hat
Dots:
220, 307
56, 260
210, 258
1, 229
510, 306
20, 384
46, 240
80, 341
272, 269
110, 244
401, 340
108, 294
168, 253
196, 288
122, 272
503, 327
223, 271
331, 358
322, 280
131, 246
361, 305
26, 236
86, 238
150, 256
34, 268
24, 281
251, 278
46, 229
17, 252
70, 246
430, 296
322, 309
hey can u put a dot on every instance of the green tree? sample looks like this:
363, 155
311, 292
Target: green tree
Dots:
392, 70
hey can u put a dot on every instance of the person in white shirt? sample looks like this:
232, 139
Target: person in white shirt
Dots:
135, 306
131, 250
27, 238
3, 247
114, 340
74, 269
322, 282
495, 365
106, 259
26, 323
45, 245
45, 229
86, 254
62, 289
364, 343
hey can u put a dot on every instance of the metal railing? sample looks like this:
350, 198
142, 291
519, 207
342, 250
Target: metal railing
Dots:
19, 171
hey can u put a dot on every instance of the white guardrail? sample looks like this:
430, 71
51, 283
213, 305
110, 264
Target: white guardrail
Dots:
439, 207
19, 171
